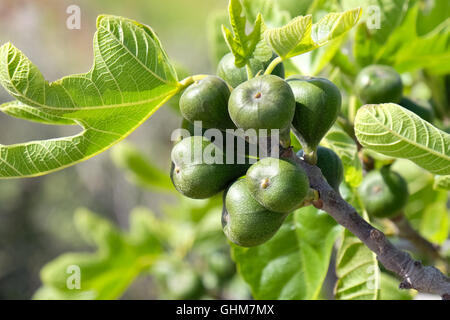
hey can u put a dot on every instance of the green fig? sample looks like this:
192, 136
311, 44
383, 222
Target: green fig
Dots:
318, 102
264, 102
245, 222
384, 193
206, 100
234, 76
423, 112
199, 168
278, 185
331, 166
379, 84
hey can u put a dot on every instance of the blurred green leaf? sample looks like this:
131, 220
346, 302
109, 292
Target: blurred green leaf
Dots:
294, 263
435, 224
269, 9
107, 272
130, 79
139, 168
381, 18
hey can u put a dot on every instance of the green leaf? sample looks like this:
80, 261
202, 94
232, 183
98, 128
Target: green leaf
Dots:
409, 38
397, 132
139, 169
368, 41
300, 35
21, 111
130, 79
442, 182
435, 222
245, 46
294, 263
357, 270
345, 147
389, 289
106, 273
356, 265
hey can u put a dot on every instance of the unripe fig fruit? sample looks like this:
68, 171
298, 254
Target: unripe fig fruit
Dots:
384, 193
264, 102
245, 222
206, 100
423, 112
278, 185
318, 102
195, 172
331, 166
378, 84
234, 76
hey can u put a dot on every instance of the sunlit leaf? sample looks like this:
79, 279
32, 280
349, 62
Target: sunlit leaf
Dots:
356, 265
245, 46
397, 132
131, 77
300, 35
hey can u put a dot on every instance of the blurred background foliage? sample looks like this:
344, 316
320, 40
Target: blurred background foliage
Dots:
139, 239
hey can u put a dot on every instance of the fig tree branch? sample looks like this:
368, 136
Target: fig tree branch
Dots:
414, 275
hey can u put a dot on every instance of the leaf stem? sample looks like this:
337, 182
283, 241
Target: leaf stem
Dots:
191, 79
273, 64
249, 71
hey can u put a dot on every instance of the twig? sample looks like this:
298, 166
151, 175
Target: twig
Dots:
426, 279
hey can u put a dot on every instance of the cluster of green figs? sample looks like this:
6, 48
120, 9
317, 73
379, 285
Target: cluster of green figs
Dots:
259, 195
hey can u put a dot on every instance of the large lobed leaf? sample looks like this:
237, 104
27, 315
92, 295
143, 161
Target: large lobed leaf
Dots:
300, 35
397, 132
131, 77
294, 263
